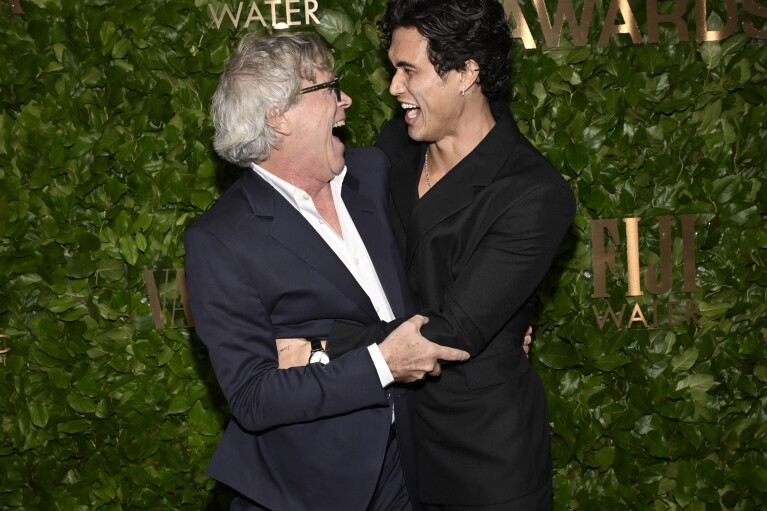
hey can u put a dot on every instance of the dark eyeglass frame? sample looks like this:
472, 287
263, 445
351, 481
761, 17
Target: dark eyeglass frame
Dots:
326, 85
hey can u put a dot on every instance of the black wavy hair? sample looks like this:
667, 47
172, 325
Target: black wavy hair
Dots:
456, 31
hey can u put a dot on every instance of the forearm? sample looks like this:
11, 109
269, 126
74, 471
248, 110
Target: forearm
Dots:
345, 336
278, 397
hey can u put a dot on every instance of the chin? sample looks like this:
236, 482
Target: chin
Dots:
415, 134
338, 168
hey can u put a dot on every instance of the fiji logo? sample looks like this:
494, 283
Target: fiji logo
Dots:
666, 274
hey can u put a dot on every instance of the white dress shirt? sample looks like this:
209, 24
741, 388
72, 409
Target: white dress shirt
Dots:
349, 248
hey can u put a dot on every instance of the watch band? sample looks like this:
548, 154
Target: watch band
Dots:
318, 353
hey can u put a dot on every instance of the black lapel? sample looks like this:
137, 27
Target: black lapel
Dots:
404, 174
457, 189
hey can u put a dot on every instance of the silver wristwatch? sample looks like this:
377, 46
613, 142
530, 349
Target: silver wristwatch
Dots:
318, 353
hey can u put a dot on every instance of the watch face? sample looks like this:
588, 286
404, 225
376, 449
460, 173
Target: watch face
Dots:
319, 356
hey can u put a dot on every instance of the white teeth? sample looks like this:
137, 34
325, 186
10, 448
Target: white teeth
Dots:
408, 106
411, 114
339, 124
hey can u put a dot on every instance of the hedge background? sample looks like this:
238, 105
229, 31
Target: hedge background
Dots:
105, 158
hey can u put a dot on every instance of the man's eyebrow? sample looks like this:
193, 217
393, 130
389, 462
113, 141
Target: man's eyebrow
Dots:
404, 63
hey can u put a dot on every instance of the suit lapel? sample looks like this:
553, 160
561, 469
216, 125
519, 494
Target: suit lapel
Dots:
379, 246
404, 173
290, 229
457, 189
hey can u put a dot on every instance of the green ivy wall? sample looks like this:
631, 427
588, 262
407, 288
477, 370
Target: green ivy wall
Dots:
105, 158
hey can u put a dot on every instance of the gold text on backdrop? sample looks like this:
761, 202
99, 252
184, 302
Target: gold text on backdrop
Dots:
169, 299
658, 275
280, 13
679, 18
4, 350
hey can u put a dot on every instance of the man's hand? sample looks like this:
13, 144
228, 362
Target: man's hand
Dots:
410, 356
294, 352
528, 340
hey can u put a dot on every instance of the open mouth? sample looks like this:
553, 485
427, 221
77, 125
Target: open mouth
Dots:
411, 110
338, 132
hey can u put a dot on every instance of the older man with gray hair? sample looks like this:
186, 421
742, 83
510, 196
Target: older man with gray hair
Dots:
299, 241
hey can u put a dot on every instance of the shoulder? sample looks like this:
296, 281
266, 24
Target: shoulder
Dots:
368, 166
527, 166
364, 157
225, 214
530, 177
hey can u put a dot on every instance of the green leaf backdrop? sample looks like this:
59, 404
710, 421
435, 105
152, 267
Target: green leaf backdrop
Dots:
105, 158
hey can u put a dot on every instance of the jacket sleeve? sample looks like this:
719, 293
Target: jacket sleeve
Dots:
232, 321
503, 272
346, 336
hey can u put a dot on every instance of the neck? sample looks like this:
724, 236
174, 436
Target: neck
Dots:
473, 127
292, 172
320, 191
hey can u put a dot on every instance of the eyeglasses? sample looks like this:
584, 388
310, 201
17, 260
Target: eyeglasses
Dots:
327, 85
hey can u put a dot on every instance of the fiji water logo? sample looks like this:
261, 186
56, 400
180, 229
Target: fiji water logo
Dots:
655, 295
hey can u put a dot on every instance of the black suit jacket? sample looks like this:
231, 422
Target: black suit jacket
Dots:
306, 438
476, 247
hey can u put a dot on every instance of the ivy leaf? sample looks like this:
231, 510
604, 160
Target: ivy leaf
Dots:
202, 422
697, 382
38, 414
684, 361
711, 53
334, 24
128, 249
80, 403
558, 355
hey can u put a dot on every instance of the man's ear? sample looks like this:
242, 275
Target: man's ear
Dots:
470, 73
278, 121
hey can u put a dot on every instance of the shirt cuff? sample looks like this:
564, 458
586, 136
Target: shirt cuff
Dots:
383, 370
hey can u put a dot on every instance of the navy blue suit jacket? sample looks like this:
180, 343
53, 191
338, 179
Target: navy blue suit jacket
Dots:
309, 437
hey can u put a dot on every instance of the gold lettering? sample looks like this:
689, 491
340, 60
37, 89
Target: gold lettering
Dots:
154, 299
629, 25
310, 7
522, 30
167, 299
757, 10
651, 276
292, 13
655, 316
701, 20
632, 256
636, 315
289, 12
655, 18
254, 15
688, 253
5, 350
181, 286
274, 4
579, 31
225, 12
691, 312
670, 311
603, 257
655, 306
609, 313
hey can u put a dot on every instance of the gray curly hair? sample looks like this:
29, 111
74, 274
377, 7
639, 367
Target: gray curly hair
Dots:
262, 78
